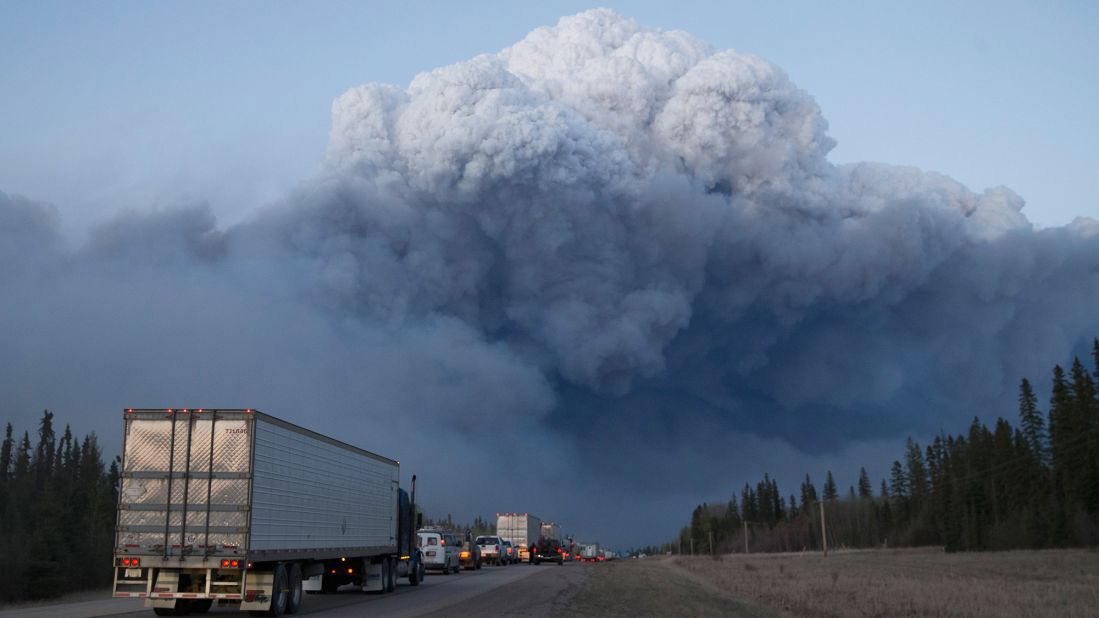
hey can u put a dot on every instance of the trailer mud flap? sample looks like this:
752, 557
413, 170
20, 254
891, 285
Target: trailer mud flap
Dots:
373, 582
164, 582
258, 587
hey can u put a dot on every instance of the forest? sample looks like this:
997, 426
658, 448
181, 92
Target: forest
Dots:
1031, 485
57, 511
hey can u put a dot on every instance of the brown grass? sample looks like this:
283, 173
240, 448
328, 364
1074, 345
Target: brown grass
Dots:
651, 587
918, 582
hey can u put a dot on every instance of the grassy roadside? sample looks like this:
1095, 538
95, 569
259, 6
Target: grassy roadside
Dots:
652, 587
910, 582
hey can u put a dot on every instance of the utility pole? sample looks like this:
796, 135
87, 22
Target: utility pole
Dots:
711, 543
746, 536
692, 544
823, 531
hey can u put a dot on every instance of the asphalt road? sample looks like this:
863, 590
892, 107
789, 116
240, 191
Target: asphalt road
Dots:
521, 589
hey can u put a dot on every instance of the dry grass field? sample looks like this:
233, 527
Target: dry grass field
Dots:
651, 587
915, 582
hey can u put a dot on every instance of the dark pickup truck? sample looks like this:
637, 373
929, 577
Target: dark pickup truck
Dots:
548, 550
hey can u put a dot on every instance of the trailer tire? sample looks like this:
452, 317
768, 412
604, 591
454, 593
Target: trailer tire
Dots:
414, 572
201, 606
387, 575
280, 593
293, 603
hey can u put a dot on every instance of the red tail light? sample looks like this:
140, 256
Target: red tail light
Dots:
131, 562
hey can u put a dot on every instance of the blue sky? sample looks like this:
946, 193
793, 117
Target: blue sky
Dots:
126, 105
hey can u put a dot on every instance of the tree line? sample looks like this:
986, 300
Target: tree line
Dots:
57, 513
1031, 485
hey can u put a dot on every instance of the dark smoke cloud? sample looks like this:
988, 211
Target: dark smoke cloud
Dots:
607, 260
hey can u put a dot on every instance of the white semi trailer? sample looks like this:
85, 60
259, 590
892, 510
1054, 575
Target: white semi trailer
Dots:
239, 508
551, 530
522, 529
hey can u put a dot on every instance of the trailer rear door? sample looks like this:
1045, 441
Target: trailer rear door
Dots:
186, 482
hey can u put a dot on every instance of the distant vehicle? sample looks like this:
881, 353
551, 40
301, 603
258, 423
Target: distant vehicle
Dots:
550, 530
493, 550
589, 552
512, 553
219, 506
547, 550
522, 529
470, 554
440, 550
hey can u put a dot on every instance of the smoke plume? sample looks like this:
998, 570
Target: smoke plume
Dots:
608, 260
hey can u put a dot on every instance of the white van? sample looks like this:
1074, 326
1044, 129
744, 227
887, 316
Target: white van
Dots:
440, 550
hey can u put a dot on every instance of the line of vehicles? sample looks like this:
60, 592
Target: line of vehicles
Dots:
241, 509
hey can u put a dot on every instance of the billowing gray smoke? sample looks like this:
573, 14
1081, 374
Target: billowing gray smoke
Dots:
607, 260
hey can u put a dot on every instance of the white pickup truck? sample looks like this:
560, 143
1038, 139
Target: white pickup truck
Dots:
492, 550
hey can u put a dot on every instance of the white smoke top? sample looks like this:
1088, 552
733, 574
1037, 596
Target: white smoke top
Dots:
589, 191
604, 233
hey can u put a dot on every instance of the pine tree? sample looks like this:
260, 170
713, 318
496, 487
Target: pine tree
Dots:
808, 494
865, 491
830, 492
778, 508
1034, 428
898, 481
44, 451
917, 471
5, 455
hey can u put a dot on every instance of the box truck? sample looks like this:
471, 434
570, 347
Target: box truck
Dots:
242, 509
522, 529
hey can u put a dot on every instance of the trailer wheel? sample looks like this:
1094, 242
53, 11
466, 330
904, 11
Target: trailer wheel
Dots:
387, 576
293, 604
280, 592
414, 572
391, 581
201, 606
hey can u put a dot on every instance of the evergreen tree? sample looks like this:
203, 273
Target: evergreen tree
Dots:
5, 455
916, 470
898, 481
44, 451
808, 494
865, 491
1034, 428
830, 492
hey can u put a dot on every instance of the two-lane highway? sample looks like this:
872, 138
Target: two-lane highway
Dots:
517, 590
